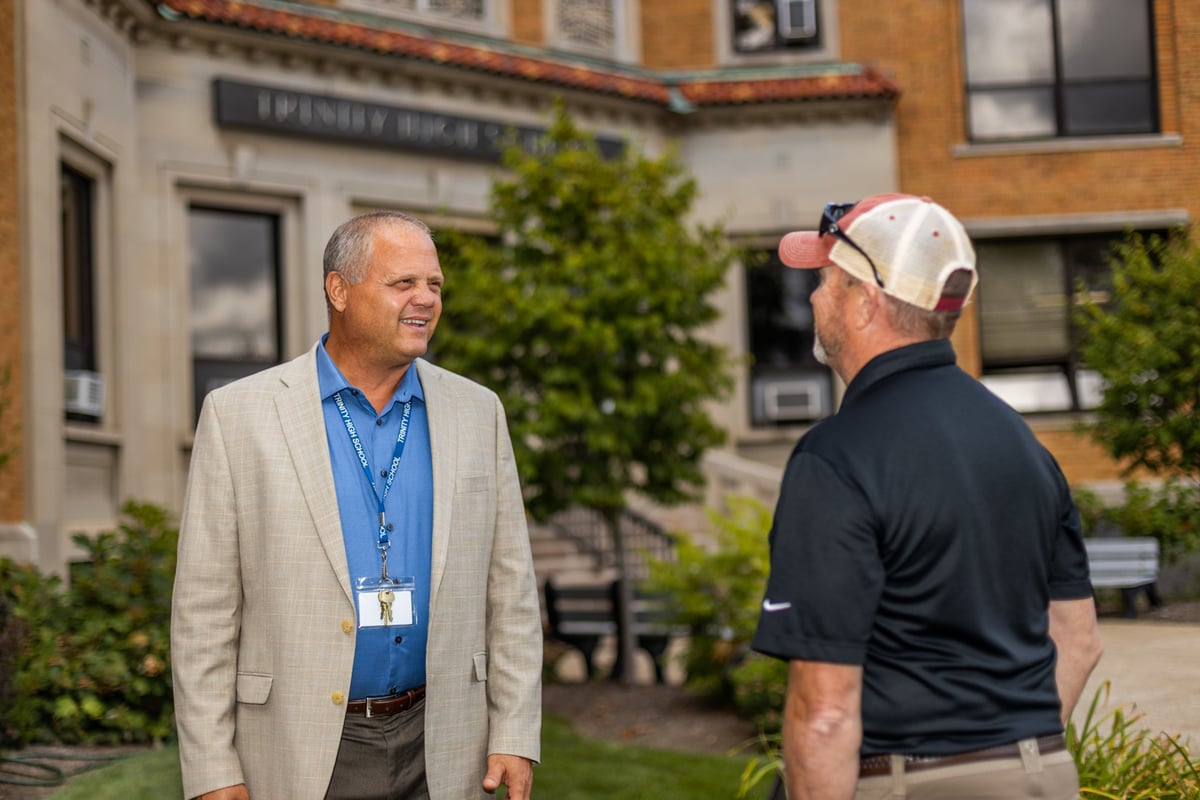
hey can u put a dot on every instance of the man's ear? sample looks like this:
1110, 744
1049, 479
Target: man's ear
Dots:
335, 291
868, 305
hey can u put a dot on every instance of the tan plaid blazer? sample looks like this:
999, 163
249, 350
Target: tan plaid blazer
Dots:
262, 627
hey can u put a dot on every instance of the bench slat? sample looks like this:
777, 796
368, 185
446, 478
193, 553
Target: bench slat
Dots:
1125, 563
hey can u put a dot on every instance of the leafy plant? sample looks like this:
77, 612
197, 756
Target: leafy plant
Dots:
1118, 761
93, 664
1145, 343
718, 592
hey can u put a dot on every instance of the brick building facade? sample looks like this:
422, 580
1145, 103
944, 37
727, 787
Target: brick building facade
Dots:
147, 136
11, 478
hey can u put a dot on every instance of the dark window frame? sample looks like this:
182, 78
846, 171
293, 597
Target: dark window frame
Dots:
1061, 87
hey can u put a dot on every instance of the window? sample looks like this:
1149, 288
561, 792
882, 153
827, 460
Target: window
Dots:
1027, 288
787, 383
83, 386
235, 298
765, 25
78, 268
1047, 68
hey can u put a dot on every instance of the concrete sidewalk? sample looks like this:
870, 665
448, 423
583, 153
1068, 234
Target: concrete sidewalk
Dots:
1154, 670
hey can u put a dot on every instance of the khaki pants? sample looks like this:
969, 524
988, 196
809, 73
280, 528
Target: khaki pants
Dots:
1033, 775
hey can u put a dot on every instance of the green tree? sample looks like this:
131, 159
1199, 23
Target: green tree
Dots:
1145, 343
586, 318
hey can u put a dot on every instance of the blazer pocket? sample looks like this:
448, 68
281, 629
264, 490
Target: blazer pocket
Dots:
465, 484
480, 666
253, 687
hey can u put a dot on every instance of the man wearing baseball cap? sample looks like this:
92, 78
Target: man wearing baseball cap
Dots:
929, 584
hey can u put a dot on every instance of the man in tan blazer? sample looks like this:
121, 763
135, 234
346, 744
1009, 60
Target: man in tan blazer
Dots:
272, 628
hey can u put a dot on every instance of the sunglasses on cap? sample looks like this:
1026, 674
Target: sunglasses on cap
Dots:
829, 225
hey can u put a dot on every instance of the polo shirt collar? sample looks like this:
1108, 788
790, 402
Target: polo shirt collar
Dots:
932, 353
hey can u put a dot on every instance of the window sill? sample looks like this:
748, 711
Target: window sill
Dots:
1076, 144
86, 434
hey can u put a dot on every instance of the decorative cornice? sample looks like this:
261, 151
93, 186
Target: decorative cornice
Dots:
674, 91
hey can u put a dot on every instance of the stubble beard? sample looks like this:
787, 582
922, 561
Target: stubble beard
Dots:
818, 349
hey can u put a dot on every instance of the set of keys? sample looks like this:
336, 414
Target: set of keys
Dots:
386, 598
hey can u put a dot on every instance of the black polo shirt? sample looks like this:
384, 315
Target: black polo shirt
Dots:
921, 533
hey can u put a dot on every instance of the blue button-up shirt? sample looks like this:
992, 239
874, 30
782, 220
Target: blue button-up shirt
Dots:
386, 659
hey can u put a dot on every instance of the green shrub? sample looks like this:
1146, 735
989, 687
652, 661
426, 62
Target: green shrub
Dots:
93, 664
759, 690
718, 593
12, 632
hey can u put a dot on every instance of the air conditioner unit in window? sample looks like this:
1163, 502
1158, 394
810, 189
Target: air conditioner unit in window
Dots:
797, 19
792, 398
83, 392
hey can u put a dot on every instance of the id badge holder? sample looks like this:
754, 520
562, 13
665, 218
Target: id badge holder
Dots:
385, 602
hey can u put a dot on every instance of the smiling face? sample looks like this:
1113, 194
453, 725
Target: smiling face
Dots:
386, 321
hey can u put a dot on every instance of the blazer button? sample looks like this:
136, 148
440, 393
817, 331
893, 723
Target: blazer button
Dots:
338, 698
347, 626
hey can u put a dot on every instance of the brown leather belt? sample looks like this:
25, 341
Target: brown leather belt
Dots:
873, 766
386, 706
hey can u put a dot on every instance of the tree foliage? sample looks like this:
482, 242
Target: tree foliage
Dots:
1145, 343
586, 317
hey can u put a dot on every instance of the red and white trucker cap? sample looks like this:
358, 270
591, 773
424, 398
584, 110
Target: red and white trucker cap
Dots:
914, 244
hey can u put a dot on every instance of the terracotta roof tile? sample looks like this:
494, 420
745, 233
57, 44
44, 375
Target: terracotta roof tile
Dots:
715, 88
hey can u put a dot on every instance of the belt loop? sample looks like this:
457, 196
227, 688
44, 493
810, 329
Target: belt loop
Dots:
898, 789
1031, 756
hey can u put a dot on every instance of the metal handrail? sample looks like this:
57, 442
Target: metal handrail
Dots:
643, 538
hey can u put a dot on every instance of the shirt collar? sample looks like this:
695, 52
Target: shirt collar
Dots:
932, 353
331, 380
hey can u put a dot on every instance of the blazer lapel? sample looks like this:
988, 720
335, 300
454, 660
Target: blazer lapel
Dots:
303, 424
443, 451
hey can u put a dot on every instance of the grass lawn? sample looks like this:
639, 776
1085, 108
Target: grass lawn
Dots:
574, 768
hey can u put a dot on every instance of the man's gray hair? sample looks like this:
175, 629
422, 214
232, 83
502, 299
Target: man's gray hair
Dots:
920, 323
349, 249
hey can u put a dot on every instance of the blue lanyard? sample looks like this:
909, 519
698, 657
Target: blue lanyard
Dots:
401, 437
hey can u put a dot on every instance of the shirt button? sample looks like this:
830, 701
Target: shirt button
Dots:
347, 626
379, 421
338, 698
399, 640
383, 473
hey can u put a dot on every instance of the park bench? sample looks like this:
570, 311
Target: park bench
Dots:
1129, 564
581, 615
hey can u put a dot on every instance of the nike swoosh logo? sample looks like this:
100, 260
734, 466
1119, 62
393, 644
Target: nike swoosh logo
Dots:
769, 606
